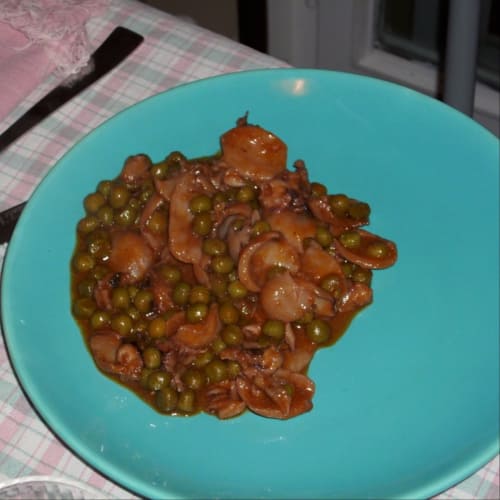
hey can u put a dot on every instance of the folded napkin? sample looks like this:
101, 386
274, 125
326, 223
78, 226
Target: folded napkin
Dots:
38, 37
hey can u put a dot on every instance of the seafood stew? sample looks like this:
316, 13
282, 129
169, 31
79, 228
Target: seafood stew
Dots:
207, 285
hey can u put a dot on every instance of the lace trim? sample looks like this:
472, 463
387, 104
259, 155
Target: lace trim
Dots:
57, 25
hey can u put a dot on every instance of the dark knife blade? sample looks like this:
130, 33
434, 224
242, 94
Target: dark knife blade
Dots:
8, 221
119, 44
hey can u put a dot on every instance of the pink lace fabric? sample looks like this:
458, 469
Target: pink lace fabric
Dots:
38, 37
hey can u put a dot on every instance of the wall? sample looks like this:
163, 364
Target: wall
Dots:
220, 16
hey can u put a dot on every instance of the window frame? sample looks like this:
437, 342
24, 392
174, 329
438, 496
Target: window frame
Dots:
344, 34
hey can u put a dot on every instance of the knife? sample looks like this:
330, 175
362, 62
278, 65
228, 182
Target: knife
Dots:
119, 44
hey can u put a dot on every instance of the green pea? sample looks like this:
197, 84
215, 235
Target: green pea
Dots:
120, 298
88, 224
84, 307
222, 264
126, 216
350, 239
232, 276
218, 345
347, 269
174, 164
199, 294
159, 170
106, 215
118, 196
134, 203
359, 210
228, 313
377, 249
233, 369
104, 187
318, 331
361, 275
265, 341
247, 308
216, 370
143, 300
166, 399
86, 287
175, 159
99, 272
158, 379
96, 238
318, 189
157, 328
331, 283
339, 203
143, 379
193, 378
307, 317
237, 289
186, 401
83, 262
151, 357
219, 198
196, 312
158, 222
274, 328
237, 224
180, 295
170, 273
214, 246
202, 224
260, 227
99, 245
245, 194
232, 335
93, 202
323, 236
219, 286
99, 319
141, 326
146, 193
134, 313
122, 324
203, 359
200, 203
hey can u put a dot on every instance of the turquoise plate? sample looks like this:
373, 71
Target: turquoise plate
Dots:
407, 401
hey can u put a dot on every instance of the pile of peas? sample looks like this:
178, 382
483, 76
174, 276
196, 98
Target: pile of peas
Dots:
134, 314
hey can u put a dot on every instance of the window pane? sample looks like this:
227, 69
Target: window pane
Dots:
489, 45
416, 29
397, 17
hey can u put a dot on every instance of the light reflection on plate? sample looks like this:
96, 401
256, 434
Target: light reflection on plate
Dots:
406, 402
